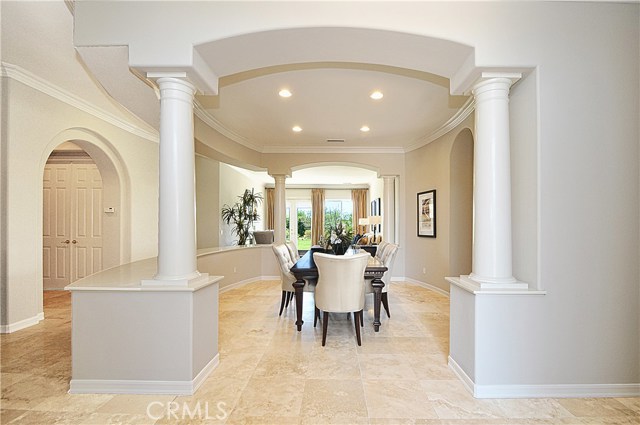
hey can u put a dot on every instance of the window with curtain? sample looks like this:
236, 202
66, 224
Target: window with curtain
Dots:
269, 209
359, 200
317, 215
338, 210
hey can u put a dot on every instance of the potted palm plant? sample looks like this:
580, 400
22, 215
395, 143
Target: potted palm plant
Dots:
242, 215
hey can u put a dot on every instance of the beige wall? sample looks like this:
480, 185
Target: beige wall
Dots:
427, 259
207, 202
233, 184
27, 147
240, 265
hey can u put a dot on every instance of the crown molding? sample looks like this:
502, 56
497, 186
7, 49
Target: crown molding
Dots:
454, 121
209, 119
29, 79
448, 126
321, 186
333, 149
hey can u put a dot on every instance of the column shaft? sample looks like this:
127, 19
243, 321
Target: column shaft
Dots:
176, 215
280, 207
492, 262
389, 209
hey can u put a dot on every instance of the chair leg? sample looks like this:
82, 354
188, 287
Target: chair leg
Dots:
325, 321
385, 303
316, 317
288, 298
357, 315
284, 295
362, 318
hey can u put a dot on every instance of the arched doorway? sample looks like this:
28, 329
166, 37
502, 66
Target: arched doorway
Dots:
85, 199
461, 204
345, 190
72, 219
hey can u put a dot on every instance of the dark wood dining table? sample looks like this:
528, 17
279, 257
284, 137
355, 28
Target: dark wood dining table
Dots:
306, 273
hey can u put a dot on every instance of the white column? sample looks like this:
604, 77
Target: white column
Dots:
280, 207
389, 209
492, 264
176, 214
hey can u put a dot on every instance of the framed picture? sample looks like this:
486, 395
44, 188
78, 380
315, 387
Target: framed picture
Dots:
427, 214
379, 212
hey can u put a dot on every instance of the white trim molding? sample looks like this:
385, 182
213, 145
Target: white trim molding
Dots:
29, 79
462, 114
125, 386
423, 284
21, 324
544, 390
246, 282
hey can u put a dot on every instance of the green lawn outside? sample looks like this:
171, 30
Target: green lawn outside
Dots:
304, 244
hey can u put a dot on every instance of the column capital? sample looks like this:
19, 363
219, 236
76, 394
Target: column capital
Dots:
175, 84
279, 176
488, 80
283, 173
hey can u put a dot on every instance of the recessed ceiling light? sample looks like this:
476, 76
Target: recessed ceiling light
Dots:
297, 128
376, 95
284, 93
364, 128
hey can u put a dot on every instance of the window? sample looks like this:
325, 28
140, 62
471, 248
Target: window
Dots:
336, 210
287, 230
299, 230
304, 227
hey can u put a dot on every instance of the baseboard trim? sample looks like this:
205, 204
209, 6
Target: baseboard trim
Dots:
238, 284
544, 391
424, 285
22, 324
462, 375
106, 386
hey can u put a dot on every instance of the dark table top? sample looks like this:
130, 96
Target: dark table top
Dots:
305, 266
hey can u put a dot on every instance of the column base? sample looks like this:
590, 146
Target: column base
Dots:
198, 279
494, 283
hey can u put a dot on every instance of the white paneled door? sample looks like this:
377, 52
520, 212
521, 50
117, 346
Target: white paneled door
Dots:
72, 223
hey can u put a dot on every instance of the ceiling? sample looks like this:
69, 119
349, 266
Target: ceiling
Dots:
332, 102
330, 98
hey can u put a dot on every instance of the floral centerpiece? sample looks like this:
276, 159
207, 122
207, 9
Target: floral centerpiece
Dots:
338, 238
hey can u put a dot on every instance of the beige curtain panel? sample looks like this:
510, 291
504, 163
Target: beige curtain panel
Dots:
270, 221
359, 199
317, 215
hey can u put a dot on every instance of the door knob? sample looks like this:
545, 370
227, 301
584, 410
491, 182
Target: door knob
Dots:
67, 241
74, 241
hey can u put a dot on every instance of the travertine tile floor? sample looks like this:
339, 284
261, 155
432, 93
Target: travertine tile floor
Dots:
271, 374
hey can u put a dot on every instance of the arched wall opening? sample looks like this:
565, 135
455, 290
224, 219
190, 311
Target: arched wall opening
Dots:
115, 188
461, 204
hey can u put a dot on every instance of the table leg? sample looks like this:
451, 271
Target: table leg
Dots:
298, 285
377, 285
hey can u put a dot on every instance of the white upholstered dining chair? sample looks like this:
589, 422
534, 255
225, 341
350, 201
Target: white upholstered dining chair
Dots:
283, 257
387, 257
340, 287
293, 251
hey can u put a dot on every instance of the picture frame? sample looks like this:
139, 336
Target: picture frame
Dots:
426, 218
379, 212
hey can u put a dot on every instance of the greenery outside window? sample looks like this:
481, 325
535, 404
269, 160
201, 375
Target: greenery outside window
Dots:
338, 210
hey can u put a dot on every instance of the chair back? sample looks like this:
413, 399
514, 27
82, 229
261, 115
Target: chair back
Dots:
293, 251
380, 251
341, 282
263, 237
389, 254
283, 259
389, 259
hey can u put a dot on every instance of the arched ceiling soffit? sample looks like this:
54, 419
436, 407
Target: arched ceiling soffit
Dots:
331, 72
